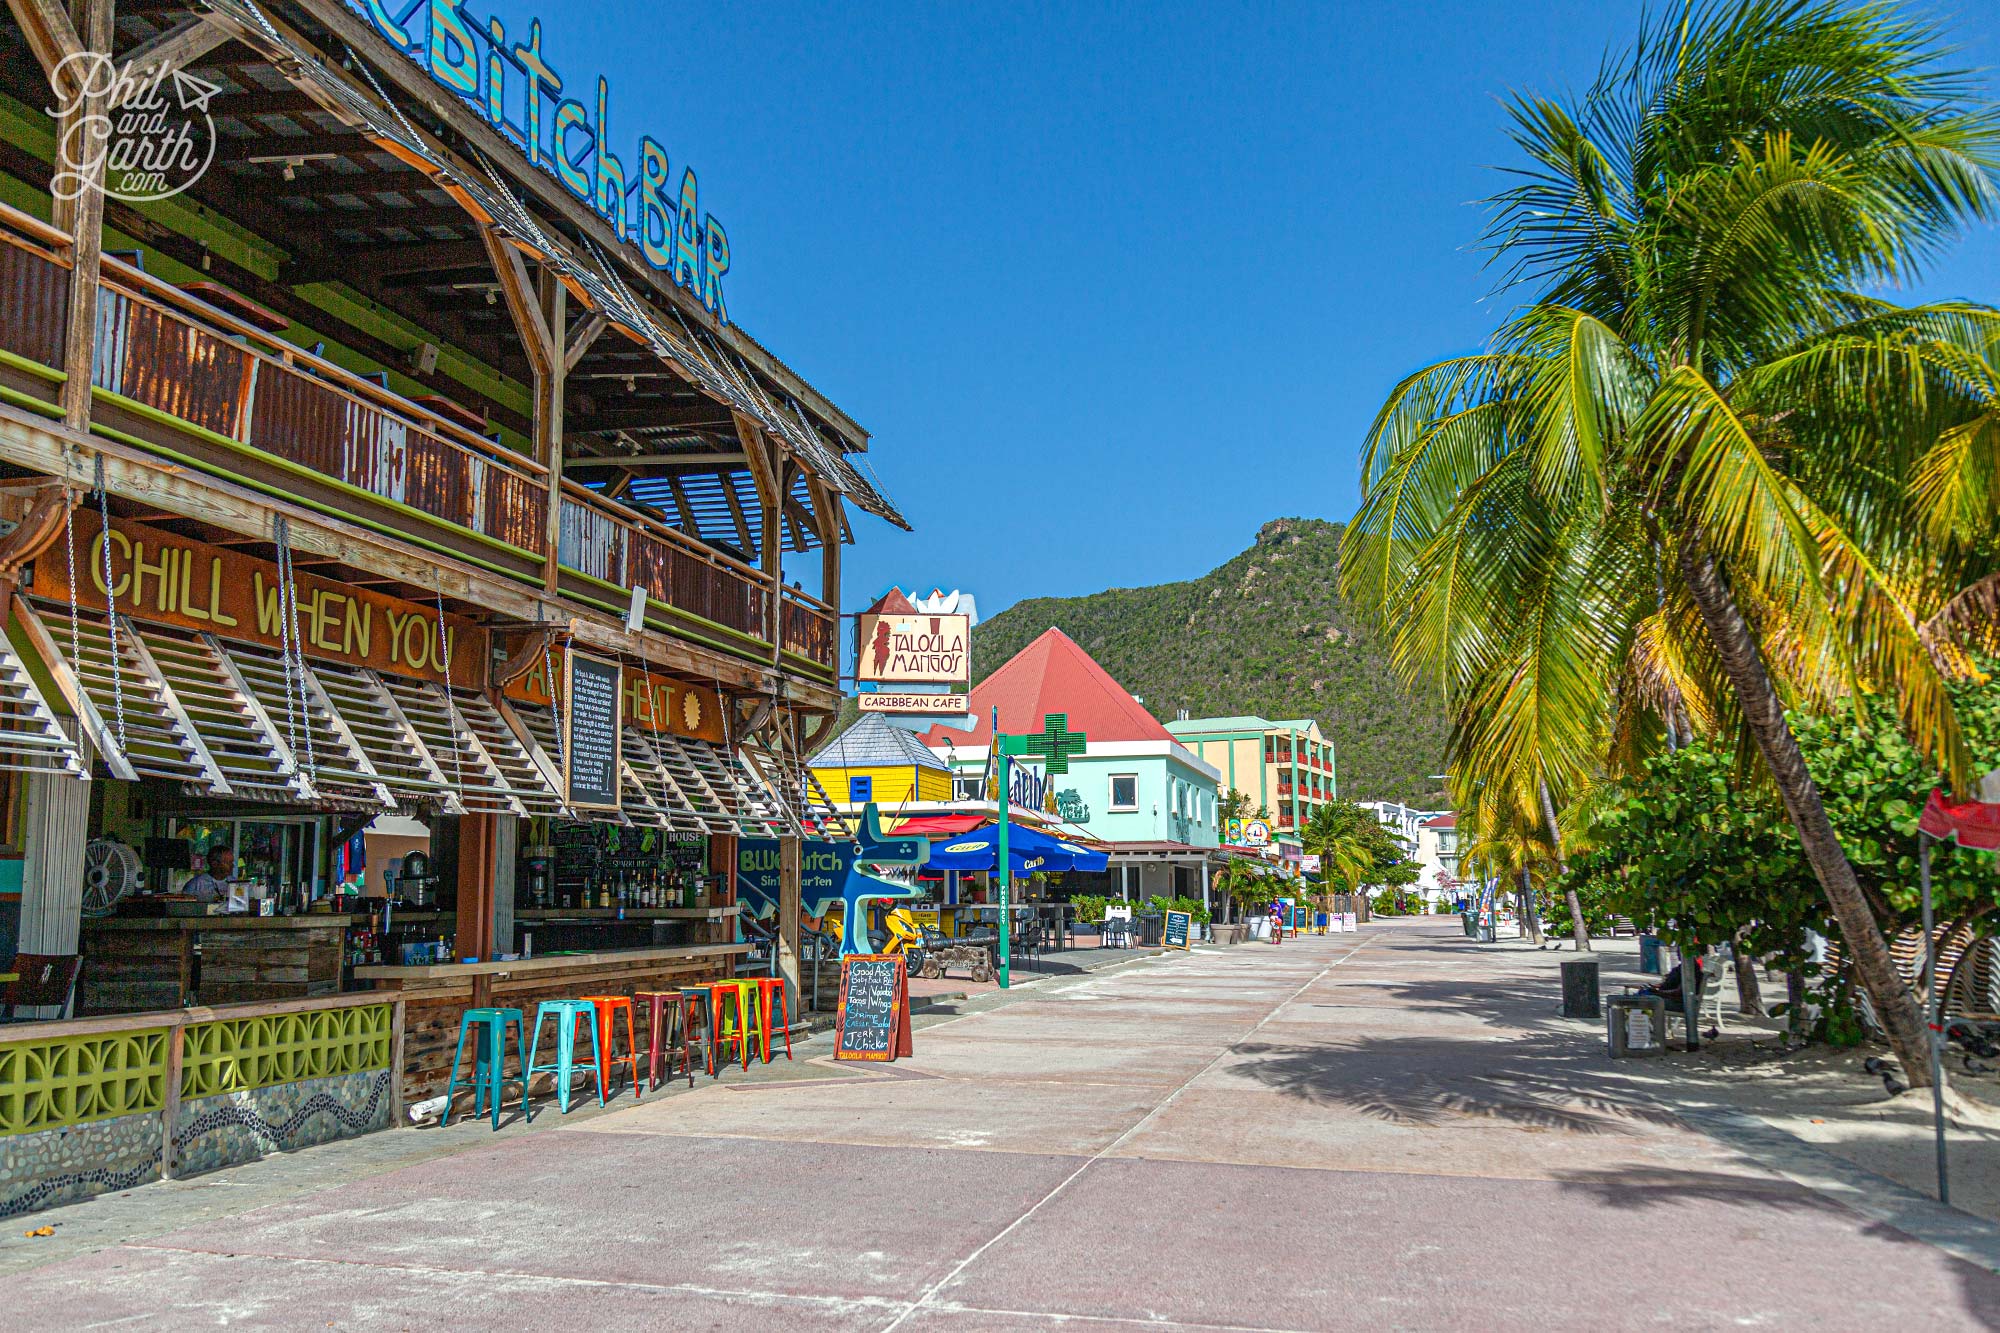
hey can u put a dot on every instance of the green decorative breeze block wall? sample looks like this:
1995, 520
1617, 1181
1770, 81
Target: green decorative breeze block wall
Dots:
238, 1054
63, 1081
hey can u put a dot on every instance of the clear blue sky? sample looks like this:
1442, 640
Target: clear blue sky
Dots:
1110, 284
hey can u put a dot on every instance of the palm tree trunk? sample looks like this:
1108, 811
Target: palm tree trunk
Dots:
1531, 920
1764, 713
1577, 928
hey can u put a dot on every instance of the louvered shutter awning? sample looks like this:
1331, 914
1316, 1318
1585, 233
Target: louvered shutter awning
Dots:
225, 719
32, 738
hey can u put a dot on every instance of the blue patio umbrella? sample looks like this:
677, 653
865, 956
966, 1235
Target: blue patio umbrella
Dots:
1028, 850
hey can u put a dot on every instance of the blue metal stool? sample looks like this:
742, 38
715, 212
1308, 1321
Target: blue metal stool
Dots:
569, 1014
488, 1056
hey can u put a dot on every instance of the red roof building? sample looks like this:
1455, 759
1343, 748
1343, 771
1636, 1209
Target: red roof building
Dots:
1054, 675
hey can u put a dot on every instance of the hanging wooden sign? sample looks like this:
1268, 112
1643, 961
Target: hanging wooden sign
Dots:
873, 1021
167, 579
591, 732
652, 702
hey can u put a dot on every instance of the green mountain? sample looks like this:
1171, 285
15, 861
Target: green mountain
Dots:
1267, 633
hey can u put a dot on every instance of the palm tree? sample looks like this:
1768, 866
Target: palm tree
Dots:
1681, 491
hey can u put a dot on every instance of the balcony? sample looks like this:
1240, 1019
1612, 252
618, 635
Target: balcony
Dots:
212, 392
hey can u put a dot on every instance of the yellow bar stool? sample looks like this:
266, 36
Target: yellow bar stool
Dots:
749, 1017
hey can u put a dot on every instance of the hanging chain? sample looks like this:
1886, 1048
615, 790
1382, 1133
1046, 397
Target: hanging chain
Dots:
291, 578
450, 706
280, 537
555, 704
69, 541
111, 610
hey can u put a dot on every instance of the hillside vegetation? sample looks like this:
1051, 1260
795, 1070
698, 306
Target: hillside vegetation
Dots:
1266, 633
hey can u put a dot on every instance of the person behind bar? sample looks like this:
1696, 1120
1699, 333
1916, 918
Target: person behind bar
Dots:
211, 885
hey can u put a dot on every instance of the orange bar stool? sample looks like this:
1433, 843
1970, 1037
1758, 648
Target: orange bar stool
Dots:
721, 993
771, 991
674, 1012
608, 1008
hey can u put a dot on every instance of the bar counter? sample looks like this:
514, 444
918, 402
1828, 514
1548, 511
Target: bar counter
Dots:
136, 963
437, 995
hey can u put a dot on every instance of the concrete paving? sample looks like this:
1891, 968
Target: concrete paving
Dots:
1383, 1130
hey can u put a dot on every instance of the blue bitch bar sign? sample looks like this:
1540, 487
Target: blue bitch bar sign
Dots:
519, 93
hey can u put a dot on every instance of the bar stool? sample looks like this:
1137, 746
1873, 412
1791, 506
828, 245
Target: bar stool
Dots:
739, 989
569, 1016
488, 1054
698, 1002
608, 1009
771, 989
673, 1011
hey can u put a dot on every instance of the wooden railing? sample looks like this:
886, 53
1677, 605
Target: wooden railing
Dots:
170, 354
810, 628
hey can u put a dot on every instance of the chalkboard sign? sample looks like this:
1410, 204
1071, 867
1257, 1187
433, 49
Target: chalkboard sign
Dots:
1178, 924
873, 1022
590, 723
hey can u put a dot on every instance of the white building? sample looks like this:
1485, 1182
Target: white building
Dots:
1432, 839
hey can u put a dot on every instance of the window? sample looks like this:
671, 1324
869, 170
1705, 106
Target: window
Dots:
860, 790
1124, 791
969, 788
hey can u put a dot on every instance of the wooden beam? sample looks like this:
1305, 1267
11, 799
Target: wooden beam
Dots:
49, 33
708, 414
733, 458
827, 509
581, 337
176, 48
743, 533
82, 216
689, 523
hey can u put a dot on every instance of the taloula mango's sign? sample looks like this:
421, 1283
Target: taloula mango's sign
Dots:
172, 580
513, 86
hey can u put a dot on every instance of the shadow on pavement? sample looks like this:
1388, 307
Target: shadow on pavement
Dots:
1426, 1082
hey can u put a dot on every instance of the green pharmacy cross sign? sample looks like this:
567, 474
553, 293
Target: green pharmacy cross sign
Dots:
1054, 744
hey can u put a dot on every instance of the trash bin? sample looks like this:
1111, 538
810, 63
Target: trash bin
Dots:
1649, 954
1580, 990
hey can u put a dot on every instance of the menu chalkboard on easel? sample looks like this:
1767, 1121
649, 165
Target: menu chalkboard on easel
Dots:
873, 1021
1178, 926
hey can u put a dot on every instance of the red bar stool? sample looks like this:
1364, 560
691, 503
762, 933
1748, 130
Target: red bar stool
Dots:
608, 1007
673, 1011
770, 989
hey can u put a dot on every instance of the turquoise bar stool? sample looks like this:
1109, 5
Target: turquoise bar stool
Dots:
569, 1016
488, 1054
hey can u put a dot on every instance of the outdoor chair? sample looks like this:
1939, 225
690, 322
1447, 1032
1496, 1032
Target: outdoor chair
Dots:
1117, 933
1709, 995
41, 981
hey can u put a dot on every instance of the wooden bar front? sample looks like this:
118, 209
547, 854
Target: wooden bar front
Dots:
139, 963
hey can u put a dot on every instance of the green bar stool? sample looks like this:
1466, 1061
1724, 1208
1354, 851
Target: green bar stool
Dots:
569, 1015
489, 1049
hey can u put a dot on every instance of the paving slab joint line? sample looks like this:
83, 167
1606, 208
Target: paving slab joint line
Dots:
927, 1299
1876, 1197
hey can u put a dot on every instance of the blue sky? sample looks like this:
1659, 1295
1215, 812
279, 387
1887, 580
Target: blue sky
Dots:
1111, 285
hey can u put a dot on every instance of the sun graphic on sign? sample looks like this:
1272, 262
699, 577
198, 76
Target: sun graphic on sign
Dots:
691, 710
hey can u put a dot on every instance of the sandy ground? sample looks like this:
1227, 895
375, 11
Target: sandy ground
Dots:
1821, 1094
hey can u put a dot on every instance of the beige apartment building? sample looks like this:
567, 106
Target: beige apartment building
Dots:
1284, 767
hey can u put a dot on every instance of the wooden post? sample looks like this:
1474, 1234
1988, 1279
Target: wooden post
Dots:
396, 1066
539, 310
771, 477
722, 862
82, 216
790, 871
170, 1095
476, 838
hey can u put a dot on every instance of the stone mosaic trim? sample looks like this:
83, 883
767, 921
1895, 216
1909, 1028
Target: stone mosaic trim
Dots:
57, 1166
238, 1127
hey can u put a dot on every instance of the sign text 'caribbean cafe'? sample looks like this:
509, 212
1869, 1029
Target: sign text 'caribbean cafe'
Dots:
160, 577
512, 85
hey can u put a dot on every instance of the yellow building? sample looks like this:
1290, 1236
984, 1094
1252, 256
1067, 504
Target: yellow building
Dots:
874, 761
1284, 767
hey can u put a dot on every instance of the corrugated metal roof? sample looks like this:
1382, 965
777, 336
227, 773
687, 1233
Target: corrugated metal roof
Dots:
872, 742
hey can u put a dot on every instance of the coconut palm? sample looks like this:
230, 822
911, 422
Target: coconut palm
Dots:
1684, 489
